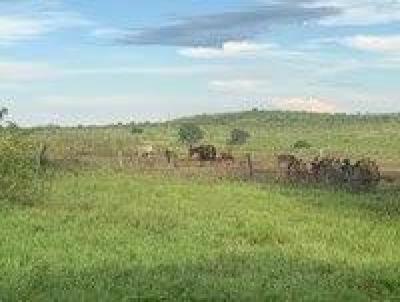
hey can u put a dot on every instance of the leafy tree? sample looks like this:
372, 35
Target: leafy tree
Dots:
3, 113
190, 133
136, 130
238, 137
12, 125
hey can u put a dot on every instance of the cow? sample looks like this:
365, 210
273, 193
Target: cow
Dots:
170, 155
365, 174
146, 151
203, 152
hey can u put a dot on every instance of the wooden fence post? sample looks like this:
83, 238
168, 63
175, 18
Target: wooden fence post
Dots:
120, 159
168, 155
250, 164
41, 158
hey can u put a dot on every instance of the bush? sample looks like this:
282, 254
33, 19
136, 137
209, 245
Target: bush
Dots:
238, 137
302, 144
136, 130
190, 134
12, 126
20, 179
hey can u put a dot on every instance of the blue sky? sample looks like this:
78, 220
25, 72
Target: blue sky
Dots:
71, 62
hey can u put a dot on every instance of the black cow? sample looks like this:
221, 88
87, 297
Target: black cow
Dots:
204, 152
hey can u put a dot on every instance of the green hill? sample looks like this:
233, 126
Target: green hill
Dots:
354, 136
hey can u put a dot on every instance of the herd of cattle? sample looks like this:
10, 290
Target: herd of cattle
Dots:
209, 153
203, 153
363, 173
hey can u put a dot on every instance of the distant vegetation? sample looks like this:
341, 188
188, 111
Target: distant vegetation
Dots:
136, 130
190, 134
238, 137
353, 136
3, 113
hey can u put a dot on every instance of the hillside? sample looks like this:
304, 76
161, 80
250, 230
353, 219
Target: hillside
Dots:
354, 136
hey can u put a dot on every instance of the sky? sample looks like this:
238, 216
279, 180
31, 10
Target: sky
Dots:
85, 62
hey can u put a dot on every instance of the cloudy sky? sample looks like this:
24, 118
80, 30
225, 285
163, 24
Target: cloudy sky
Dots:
77, 61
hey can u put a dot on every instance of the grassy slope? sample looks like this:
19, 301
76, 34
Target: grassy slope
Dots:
272, 132
104, 236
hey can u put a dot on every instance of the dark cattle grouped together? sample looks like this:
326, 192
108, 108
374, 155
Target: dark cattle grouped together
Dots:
330, 170
203, 152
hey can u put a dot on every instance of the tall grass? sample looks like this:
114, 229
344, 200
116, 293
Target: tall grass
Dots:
106, 236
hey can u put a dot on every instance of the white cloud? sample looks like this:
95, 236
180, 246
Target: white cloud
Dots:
14, 72
237, 86
306, 104
387, 44
109, 32
257, 90
228, 50
18, 71
13, 29
17, 28
157, 71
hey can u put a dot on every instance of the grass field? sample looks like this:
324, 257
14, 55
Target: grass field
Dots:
108, 234
102, 236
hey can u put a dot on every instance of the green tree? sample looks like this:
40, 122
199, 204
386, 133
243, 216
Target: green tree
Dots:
136, 130
3, 113
190, 134
12, 125
238, 137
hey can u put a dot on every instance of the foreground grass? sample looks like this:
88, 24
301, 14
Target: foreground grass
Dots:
116, 237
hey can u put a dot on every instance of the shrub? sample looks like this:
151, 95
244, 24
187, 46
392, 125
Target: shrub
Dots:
238, 137
136, 130
12, 126
20, 179
302, 144
190, 134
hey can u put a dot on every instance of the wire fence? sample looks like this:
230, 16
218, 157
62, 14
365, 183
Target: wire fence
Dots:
249, 165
